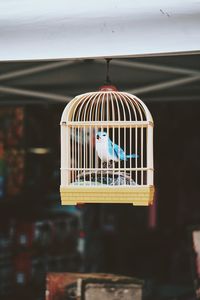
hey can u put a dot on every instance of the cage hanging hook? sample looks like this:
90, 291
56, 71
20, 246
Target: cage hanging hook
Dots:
108, 81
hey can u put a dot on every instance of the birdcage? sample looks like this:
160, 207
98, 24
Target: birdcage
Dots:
107, 149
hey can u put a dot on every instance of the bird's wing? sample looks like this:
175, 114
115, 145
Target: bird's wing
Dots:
119, 152
111, 150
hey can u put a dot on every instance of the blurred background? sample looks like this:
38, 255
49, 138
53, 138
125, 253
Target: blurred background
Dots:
38, 235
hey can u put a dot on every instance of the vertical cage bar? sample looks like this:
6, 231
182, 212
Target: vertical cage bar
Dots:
122, 100
150, 155
142, 155
125, 151
68, 156
118, 118
65, 142
136, 153
113, 137
124, 129
90, 151
79, 158
97, 117
96, 157
131, 151
72, 138
75, 153
107, 117
92, 139
101, 162
78, 154
102, 112
87, 134
119, 161
102, 119
84, 153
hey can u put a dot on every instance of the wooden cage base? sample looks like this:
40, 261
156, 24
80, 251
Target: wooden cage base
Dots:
140, 196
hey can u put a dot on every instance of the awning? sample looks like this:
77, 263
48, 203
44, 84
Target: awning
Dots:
169, 78
65, 29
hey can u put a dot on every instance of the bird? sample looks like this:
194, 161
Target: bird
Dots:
108, 151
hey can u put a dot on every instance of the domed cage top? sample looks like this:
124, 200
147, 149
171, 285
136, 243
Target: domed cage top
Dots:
106, 149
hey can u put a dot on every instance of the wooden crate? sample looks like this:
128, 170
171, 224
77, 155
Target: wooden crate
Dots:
62, 286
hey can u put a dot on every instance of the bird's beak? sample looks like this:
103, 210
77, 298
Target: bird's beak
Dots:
98, 137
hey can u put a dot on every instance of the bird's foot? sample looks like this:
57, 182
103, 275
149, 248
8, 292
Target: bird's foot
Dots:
110, 164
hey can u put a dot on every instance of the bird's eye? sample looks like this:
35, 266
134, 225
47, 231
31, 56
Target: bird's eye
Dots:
104, 134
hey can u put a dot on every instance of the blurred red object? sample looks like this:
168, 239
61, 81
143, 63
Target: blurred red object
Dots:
152, 219
22, 267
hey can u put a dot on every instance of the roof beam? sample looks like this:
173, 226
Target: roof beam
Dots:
164, 85
37, 69
153, 67
36, 94
171, 98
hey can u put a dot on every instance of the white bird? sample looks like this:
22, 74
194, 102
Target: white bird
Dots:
107, 151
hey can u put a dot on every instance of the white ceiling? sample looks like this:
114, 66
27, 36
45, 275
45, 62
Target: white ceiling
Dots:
65, 29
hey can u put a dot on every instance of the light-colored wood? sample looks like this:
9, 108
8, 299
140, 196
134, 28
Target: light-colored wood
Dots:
137, 196
150, 155
64, 155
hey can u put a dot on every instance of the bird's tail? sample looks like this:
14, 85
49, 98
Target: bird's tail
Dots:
132, 156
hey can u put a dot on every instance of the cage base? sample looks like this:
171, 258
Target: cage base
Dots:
138, 196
